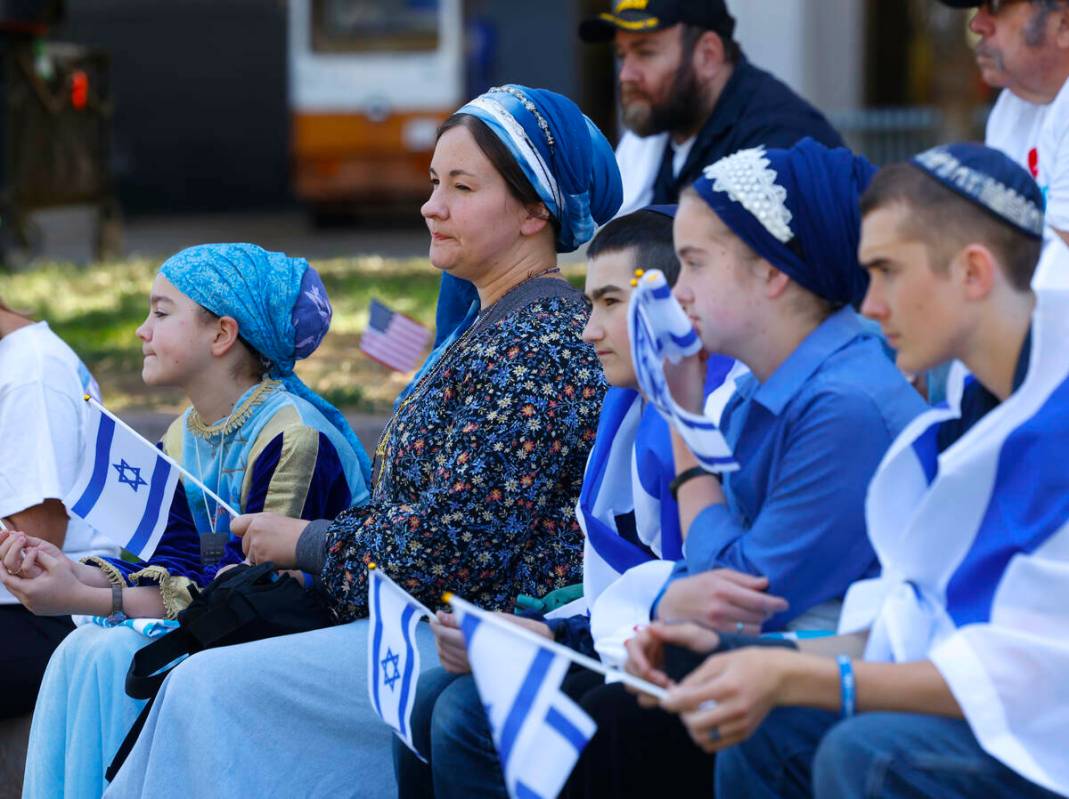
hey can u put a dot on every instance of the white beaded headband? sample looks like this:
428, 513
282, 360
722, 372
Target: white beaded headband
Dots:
747, 179
522, 143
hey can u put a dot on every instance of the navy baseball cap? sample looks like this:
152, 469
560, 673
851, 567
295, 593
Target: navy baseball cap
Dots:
989, 179
644, 16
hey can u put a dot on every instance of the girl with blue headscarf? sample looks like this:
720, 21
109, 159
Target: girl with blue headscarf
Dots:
226, 324
479, 471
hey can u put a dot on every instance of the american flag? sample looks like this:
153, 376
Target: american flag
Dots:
393, 339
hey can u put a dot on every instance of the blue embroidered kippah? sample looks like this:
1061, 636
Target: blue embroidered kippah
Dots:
990, 179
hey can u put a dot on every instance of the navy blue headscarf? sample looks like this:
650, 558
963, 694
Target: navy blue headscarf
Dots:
799, 210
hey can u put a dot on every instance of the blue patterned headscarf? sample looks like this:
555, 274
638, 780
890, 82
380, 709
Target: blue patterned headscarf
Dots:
799, 210
280, 305
562, 153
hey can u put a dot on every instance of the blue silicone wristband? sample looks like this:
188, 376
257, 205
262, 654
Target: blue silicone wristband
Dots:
847, 686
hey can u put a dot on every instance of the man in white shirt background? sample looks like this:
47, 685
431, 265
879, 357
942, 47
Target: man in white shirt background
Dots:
1023, 49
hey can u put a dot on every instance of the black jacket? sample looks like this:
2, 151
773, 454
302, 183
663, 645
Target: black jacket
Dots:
754, 108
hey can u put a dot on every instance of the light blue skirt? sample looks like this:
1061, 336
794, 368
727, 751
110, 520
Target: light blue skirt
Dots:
285, 717
82, 713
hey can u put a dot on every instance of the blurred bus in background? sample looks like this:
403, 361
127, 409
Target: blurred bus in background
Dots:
370, 81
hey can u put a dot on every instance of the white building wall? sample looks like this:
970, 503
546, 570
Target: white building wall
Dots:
815, 46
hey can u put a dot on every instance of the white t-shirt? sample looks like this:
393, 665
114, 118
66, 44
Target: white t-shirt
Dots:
639, 160
1037, 137
42, 430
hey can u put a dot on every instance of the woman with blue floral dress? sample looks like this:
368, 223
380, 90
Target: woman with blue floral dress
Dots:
479, 471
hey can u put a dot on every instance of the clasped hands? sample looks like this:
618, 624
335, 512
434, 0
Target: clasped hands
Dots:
40, 576
723, 700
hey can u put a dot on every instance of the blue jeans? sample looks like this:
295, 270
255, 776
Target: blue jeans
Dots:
449, 726
799, 752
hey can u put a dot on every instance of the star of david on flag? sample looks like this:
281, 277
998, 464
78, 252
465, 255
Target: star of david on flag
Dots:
393, 658
124, 486
659, 329
538, 730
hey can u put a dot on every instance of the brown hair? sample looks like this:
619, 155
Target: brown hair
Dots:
692, 33
502, 160
947, 222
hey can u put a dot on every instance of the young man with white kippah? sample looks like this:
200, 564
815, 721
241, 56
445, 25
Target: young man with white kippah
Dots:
959, 684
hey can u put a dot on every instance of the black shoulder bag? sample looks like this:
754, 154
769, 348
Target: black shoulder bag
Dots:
245, 604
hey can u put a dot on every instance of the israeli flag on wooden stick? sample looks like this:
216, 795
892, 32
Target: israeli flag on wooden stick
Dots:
659, 329
126, 484
538, 730
393, 658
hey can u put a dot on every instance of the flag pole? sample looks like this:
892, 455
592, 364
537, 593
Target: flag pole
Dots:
221, 502
373, 567
586, 662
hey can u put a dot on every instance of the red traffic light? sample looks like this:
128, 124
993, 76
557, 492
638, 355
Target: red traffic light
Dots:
79, 89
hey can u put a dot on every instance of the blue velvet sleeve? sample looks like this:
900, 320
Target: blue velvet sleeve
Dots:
179, 547
326, 496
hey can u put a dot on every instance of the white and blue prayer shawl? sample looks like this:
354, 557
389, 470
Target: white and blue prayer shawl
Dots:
629, 469
974, 545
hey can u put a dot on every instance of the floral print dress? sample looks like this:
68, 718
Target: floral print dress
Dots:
481, 466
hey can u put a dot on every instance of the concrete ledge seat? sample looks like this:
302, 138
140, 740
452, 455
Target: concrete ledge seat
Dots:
14, 735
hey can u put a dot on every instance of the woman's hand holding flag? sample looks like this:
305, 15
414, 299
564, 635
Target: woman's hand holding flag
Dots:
452, 648
269, 537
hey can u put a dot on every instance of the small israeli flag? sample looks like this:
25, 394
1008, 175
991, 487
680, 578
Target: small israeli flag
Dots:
659, 329
125, 485
393, 658
539, 731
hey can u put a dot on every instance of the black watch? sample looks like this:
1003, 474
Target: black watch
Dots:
680, 479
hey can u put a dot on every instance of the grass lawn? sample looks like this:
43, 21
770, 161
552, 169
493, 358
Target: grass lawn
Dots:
96, 309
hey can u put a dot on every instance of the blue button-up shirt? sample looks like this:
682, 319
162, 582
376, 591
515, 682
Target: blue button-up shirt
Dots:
808, 440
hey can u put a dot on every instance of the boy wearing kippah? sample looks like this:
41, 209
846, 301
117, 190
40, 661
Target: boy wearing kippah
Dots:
960, 680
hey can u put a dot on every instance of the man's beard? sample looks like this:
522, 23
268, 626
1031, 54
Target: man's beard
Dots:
680, 112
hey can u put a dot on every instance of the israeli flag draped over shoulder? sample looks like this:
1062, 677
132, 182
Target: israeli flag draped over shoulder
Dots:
628, 472
538, 730
659, 329
626, 483
392, 654
974, 545
125, 485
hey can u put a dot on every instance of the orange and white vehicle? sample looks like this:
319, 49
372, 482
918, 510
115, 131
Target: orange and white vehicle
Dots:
370, 81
